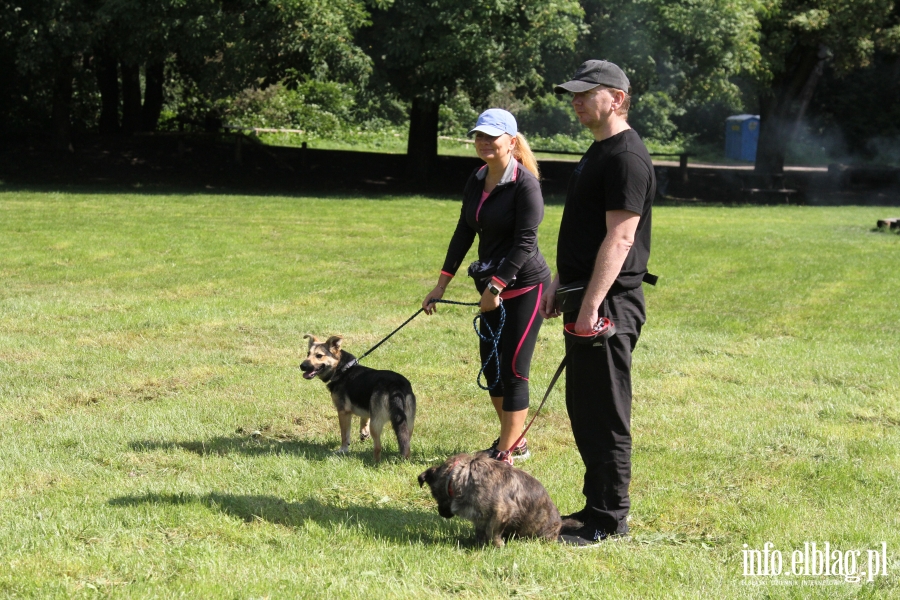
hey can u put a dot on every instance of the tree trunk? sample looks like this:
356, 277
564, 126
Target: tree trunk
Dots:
61, 111
108, 83
153, 96
772, 141
421, 149
131, 98
780, 111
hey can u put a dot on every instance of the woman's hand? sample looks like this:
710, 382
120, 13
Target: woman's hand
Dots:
437, 293
489, 301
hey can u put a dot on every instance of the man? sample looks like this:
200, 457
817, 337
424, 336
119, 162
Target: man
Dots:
604, 241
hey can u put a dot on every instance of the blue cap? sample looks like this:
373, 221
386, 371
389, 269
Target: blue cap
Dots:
496, 121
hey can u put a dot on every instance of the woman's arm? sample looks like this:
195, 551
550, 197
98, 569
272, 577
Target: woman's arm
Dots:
460, 242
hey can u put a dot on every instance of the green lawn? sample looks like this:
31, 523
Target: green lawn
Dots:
158, 440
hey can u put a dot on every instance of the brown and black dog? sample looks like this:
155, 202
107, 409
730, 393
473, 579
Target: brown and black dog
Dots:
499, 499
375, 396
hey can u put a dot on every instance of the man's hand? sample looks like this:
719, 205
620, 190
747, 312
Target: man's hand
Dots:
587, 320
547, 306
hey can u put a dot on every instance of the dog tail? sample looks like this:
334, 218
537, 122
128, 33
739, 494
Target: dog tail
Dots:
403, 416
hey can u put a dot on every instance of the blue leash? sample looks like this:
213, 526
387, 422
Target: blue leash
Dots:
492, 338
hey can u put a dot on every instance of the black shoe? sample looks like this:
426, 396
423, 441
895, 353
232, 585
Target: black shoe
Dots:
587, 535
581, 516
501, 456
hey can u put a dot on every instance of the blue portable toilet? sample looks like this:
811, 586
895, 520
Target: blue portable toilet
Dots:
741, 137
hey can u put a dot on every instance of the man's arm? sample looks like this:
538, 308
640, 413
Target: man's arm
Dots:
621, 226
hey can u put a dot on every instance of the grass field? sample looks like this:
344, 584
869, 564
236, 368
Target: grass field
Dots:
158, 440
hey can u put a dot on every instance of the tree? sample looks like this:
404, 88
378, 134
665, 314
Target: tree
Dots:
681, 57
219, 46
427, 50
222, 47
47, 37
798, 39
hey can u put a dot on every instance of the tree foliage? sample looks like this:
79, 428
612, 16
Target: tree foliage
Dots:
113, 64
680, 56
219, 46
427, 50
798, 39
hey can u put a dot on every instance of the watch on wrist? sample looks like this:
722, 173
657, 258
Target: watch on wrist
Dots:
493, 289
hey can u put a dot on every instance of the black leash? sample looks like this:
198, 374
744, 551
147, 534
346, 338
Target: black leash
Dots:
406, 322
492, 337
603, 330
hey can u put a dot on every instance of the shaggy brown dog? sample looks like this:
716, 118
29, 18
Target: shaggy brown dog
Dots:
499, 499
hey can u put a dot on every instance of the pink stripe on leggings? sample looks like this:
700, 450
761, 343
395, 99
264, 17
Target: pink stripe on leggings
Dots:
527, 329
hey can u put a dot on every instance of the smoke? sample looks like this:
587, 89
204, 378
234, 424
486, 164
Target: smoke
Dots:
884, 150
815, 145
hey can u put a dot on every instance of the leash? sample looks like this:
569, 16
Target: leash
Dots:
492, 337
602, 330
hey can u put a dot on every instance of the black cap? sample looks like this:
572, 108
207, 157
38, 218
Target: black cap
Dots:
593, 73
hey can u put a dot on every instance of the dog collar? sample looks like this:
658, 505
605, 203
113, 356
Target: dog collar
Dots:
450, 480
352, 363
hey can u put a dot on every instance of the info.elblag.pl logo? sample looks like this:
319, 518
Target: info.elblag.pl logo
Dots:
816, 560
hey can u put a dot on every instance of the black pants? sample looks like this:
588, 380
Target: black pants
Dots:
517, 341
598, 399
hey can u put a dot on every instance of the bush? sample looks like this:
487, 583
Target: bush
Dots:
651, 115
549, 116
320, 108
456, 116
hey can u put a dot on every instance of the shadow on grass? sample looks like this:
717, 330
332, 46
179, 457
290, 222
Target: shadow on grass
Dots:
311, 450
396, 524
221, 446
174, 189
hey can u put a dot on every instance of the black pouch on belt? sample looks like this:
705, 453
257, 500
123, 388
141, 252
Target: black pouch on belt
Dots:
482, 272
568, 297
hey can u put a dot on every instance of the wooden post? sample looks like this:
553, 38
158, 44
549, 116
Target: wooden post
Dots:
303, 156
682, 167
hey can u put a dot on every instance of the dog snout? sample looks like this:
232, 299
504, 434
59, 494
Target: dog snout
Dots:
306, 366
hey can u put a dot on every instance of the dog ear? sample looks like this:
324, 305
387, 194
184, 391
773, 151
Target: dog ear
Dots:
426, 476
334, 345
312, 340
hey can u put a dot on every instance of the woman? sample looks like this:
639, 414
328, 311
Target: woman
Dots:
502, 204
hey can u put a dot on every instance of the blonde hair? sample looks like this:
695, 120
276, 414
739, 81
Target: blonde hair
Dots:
522, 153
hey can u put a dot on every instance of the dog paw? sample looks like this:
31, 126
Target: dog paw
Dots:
363, 436
342, 450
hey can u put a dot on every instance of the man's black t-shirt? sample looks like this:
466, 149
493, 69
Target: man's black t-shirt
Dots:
614, 174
